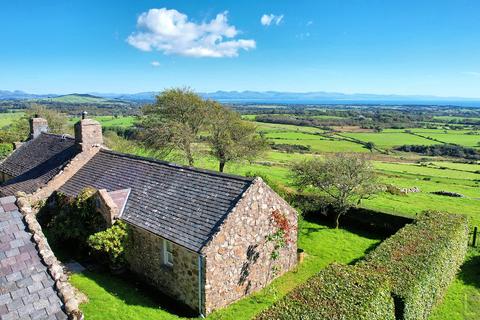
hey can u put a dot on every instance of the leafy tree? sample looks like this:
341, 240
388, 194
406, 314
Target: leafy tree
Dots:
174, 121
343, 179
370, 146
19, 129
232, 138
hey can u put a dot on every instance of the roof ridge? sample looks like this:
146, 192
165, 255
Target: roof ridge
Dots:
176, 165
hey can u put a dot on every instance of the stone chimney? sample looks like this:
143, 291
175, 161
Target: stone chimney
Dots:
37, 126
88, 133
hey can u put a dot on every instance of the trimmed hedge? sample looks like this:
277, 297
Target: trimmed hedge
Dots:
405, 277
337, 292
421, 260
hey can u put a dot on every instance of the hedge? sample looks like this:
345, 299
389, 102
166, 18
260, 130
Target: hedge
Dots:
337, 292
421, 260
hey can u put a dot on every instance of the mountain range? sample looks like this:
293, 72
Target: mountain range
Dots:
251, 96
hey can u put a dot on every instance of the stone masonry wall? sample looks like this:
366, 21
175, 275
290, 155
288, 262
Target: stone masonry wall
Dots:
238, 257
179, 281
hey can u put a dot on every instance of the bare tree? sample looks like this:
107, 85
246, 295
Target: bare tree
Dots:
343, 179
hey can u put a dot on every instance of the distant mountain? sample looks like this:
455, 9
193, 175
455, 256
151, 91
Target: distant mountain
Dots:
77, 98
250, 97
299, 97
20, 95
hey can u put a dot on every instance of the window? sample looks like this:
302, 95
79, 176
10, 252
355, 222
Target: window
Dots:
167, 253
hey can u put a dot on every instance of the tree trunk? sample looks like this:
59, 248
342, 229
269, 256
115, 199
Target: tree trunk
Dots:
337, 219
189, 157
221, 166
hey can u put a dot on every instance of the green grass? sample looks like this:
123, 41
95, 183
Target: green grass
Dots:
111, 121
113, 298
426, 171
467, 140
456, 118
268, 127
7, 118
389, 139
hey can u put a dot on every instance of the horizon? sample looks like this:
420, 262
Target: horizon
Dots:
405, 49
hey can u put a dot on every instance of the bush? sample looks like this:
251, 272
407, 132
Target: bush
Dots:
70, 221
110, 244
337, 292
421, 260
5, 149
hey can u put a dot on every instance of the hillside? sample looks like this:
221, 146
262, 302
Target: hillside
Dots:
76, 98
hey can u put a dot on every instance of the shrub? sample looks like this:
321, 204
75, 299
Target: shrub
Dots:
337, 292
5, 149
69, 221
110, 244
421, 260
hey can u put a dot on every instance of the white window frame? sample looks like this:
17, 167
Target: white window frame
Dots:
167, 253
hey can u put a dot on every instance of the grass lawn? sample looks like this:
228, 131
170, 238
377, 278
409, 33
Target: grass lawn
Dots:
112, 298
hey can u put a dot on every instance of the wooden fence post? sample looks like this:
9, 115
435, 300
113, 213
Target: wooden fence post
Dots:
474, 242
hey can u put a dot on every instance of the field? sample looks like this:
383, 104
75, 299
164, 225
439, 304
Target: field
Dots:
7, 118
389, 139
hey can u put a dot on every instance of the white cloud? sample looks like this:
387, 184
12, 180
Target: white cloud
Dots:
155, 64
268, 19
170, 32
472, 73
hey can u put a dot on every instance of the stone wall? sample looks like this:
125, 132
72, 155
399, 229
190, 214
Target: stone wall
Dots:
107, 208
238, 257
180, 281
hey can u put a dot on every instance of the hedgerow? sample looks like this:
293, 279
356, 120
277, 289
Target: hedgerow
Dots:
337, 292
421, 260
405, 277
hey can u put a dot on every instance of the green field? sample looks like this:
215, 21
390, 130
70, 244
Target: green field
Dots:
111, 121
389, 139
467, 140
7, 118
112, 298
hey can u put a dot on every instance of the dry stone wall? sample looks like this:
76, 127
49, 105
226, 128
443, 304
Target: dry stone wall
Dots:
180, 281
238, 258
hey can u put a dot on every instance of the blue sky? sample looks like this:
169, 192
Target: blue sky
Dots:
354, 46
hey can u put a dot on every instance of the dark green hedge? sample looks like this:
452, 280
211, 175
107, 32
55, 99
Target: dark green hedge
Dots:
421, 260
337, 292
403, 278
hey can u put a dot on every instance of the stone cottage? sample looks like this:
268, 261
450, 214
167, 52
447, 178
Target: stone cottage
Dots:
199, 236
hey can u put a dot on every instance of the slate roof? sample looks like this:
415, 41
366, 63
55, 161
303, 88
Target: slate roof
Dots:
36, 162
181, 204
26, 289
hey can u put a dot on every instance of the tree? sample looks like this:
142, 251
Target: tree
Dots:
231, 138
174, 121
20, 128
370, 146
343, 179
